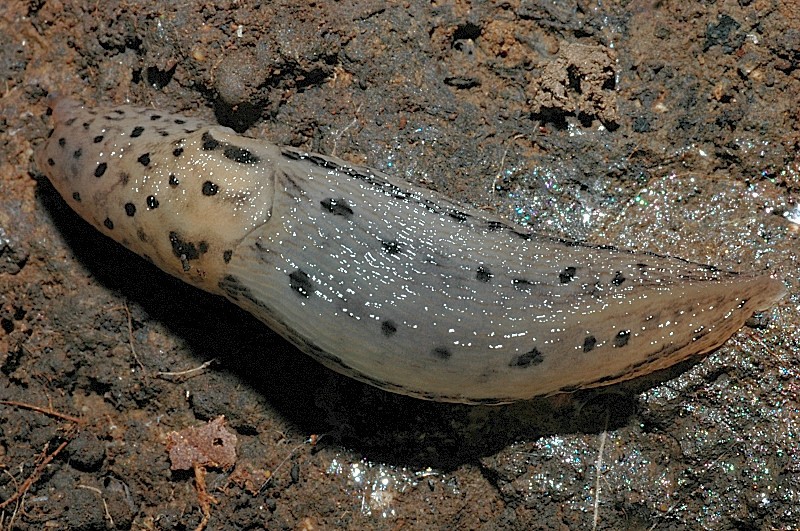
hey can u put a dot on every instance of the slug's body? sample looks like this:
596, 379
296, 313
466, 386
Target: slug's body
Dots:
383, 281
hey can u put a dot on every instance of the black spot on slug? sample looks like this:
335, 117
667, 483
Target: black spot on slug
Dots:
181, 248
338, 207
130, 209
179, 121
388, 328
100, 169
589, 343
173, 181
291, 155
390, 246
322, 162
209, 142
442, 353
177, 151
699, 333
62, 142
521, 283
108, 224
618, 279
98, 139
567, 275
226, 255
77, 153
495, 226
301, 283
457, 215
203, 247
155, 117
240, 155
621, 339
76, 196
137, 131
142, 235
532, 357
210, 188
51, 162
144, 160
483, 274
152, 202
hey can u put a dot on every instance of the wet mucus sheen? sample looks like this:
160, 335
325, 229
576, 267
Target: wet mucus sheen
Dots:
381, 280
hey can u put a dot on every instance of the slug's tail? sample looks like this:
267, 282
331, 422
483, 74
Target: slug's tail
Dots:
738, 300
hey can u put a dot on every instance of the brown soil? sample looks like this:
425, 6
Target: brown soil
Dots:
635, 123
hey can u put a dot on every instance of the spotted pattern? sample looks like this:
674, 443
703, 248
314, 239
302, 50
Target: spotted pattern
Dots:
337, 207
301, 283
442, 353
240, 155
589, 343
529, 359
210, 188
390, 246
622, 338
388, 328
410, 292
184, 249
567, 275
483, 274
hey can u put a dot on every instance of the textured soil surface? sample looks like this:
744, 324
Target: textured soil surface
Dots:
659, 126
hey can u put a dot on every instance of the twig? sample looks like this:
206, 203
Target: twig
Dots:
499, 175
17, 506
38, 409
598, 466
105, 505
203, 497
37, 471
130, 338
187, 372
339, 134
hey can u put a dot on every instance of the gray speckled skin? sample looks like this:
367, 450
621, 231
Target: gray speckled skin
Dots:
386, 282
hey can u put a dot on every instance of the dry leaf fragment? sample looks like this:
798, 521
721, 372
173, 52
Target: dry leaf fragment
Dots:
211, 445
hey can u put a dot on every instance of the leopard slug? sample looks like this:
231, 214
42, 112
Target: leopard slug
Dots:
381, 280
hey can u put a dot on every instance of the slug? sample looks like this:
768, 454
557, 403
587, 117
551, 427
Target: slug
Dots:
381, 280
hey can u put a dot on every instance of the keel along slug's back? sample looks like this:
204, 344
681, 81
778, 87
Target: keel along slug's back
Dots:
381, 280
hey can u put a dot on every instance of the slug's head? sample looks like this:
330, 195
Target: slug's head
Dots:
178, 191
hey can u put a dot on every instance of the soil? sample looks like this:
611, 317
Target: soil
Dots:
664, 126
